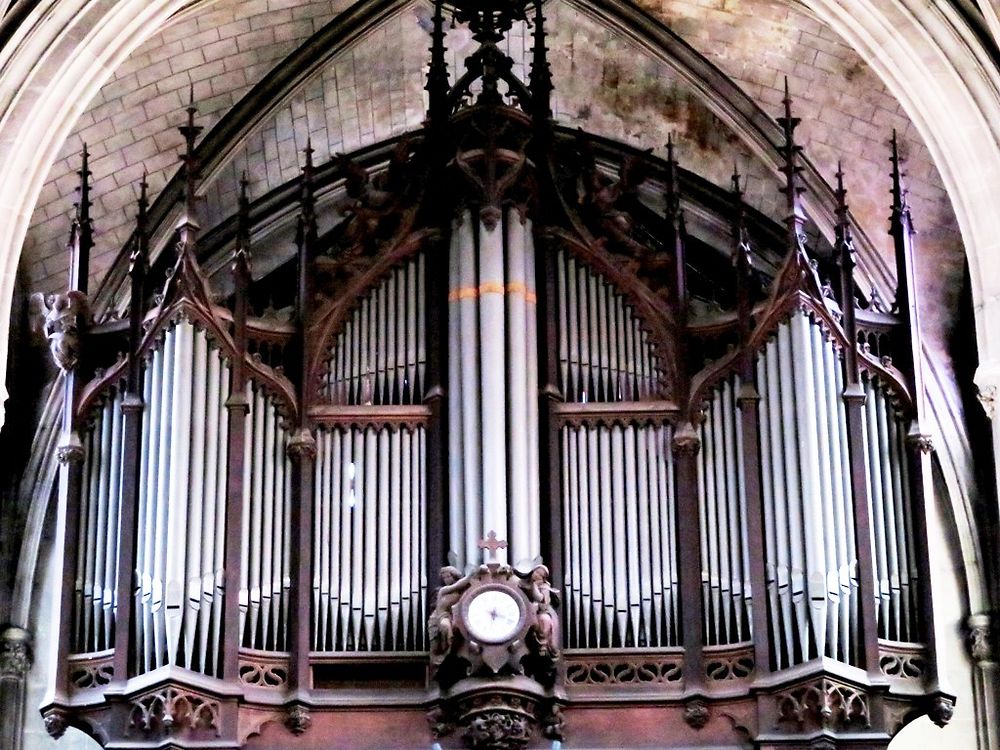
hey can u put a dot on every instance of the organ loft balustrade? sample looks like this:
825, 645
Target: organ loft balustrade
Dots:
498, 442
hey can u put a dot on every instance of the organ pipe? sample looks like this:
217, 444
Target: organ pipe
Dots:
604, 354
266, 530
811, 576
180, 575
722, 502
368, 579
493, 399
620, 552
379, 357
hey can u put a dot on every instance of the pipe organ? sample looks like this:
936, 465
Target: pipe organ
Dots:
379, 357
494, 374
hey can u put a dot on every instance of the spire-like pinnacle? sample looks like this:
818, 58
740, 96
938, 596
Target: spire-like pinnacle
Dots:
541, 72
141, 225
790, 152
900, 208
673, 189
438, 85
843, 228
189, 220
241, 253
741, 242
82, 231
844, 249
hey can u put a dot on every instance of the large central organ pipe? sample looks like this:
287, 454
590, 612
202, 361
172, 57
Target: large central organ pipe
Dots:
493, 407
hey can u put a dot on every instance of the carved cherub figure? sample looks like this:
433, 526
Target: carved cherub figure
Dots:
540, 592
61, 316
439, 626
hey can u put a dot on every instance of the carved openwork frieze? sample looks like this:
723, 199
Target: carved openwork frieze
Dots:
728, 665
92, 671
902, 661
822, 704
171, 710
263, 671
620, 669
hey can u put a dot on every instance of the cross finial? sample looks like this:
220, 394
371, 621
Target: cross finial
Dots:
492, 544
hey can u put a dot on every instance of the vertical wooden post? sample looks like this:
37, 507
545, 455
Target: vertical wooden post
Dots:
546, 258
436, 317
132, 408
685, 447
302, 451
748, 400
237, 407
919, 441
854, 401
70, 451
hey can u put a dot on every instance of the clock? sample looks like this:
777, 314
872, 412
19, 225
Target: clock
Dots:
493, 615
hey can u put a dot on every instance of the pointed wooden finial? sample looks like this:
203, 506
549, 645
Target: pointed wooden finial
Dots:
438, 84
82, 230
540, 80
138, 268
844, 249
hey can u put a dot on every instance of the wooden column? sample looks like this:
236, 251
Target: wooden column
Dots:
854, 400
685, 447
748, 400
237, 407
546, 258
917, 439
132, 408
436, 314
70, 451
302, 451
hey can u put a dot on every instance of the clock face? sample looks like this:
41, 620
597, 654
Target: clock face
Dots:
493, 616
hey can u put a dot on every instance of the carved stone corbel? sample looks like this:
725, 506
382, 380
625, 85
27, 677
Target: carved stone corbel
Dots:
15, 653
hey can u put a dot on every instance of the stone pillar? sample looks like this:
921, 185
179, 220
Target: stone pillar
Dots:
15, 661
985, 681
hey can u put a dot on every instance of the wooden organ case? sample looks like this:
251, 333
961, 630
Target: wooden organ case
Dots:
697, 472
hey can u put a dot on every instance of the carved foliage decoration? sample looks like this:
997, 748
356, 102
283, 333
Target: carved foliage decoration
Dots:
823, 704
171, 710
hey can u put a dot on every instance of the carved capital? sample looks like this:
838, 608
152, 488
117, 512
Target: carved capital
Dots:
298, 720
696, 713
70, 452
686, 441
980, 638
921, 442
302, 445
15, 653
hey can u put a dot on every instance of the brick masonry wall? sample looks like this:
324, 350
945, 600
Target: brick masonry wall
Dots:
603, 84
